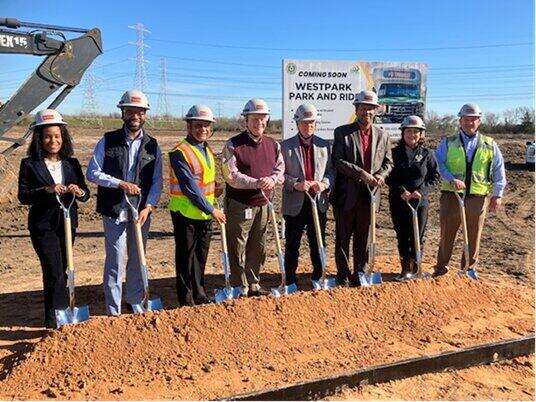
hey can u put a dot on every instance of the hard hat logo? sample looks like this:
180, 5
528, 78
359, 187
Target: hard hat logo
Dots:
203, 113
368, 98
308, 114
259, 107
135, 99
47, 117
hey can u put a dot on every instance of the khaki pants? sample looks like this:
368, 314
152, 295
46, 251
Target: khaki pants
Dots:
246, 241
450, 220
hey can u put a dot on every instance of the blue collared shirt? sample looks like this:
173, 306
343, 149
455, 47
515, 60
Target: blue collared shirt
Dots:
95, 174
470, 143
187, 182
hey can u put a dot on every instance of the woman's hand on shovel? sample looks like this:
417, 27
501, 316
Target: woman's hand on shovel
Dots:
56, 188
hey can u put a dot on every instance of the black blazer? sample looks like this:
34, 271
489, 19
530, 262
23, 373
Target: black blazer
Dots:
347, 159
45, 212
419, 174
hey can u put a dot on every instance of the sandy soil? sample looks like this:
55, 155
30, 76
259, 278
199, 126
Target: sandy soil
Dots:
507, 262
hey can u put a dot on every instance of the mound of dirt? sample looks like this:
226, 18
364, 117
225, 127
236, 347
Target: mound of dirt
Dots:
8, 181
214, 351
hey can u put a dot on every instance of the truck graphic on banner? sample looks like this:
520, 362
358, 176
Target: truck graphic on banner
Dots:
331, 86
401, 93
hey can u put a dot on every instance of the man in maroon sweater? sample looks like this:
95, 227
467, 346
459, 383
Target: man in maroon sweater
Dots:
252, 164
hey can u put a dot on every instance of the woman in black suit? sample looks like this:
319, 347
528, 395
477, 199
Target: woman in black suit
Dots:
414, 175
48, 170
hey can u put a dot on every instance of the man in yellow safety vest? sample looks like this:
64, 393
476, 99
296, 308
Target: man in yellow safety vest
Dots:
192, 186
472, 164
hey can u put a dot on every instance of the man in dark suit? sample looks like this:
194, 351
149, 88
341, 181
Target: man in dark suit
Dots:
361, 156
308, 169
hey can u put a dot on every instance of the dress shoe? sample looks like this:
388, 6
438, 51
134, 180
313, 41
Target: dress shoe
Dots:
259, 292
439, 271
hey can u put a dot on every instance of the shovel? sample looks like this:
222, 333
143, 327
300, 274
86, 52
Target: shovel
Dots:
228, 292
72, 314
283, 289
369, 277
418, 253
146, 304
467, 270
323, 282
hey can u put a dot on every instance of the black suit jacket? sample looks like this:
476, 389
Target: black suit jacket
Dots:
418, 174
347, 158
45, 212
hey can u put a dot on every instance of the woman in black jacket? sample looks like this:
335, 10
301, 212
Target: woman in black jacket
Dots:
414, 175
50, 169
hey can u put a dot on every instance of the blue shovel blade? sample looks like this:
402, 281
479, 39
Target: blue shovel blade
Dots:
288, 290
74, 316
152, 305
422, 275
374, 278
328, 283
471, 273
220, 295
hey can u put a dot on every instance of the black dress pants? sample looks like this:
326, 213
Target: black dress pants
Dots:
403, 225
192, 242
352, 224
294, 227
50, 248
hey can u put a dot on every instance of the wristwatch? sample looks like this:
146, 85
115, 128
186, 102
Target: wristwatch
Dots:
150, 207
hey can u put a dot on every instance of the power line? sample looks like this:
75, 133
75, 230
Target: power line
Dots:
219, 62
397, 49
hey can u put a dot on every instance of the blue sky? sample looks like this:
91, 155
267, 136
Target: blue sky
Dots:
223, 53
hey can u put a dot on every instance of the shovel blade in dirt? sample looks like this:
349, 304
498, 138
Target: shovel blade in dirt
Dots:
75, 315
147, 304
369, 279
471, 273
220, 295
324, 284
151, 305
284, 290
422, 275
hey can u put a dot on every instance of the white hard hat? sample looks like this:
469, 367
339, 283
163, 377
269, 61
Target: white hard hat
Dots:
255, 106
200, 112
366, 97
470, 110
306, 112
134, 98
412, 122
48, 117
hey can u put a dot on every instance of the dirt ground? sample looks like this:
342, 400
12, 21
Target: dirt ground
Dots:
506, 265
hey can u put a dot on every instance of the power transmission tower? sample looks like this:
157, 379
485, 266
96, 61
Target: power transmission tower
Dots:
162, 109
89, 105
139, 81
219, 109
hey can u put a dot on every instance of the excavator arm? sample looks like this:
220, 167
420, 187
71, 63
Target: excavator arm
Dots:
63, 68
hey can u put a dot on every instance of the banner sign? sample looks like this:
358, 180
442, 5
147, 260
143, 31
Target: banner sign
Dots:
332, 85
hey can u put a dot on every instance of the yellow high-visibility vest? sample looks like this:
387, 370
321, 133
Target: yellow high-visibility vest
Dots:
456, 164
204, 175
